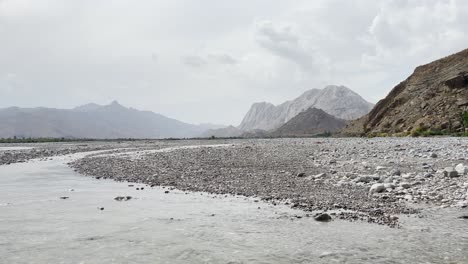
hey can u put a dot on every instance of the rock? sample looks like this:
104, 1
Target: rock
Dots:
393, 218
64, 197
376, 188
461, 169
450, 172
395, 172
365, 179
319, 176
433, 155
405, 185
301, 174
408, 197
323, 217
380, 168
463, 217
123, 198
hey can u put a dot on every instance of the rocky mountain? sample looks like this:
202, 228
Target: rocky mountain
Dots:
311, 122
92, 121
434, 97
338, 101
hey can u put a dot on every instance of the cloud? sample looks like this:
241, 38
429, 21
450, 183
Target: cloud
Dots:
410, 31
222, 58
284, 42
194, 61
184, 59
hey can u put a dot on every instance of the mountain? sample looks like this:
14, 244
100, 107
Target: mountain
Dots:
92, 121
434, 97
311, 122
338, 101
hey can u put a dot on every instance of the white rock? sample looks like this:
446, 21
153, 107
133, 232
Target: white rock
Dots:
461, 169
408, 197
380, 168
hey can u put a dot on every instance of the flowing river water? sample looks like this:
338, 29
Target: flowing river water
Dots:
37, 226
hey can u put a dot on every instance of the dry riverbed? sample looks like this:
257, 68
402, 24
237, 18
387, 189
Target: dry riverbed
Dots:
373, 180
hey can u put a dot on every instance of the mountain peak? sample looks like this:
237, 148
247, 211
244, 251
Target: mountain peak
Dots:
336, 100
115, 103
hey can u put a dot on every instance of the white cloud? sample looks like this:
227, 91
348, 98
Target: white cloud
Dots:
208, 63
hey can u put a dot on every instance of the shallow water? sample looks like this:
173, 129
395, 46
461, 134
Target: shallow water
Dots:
36, 226
14, 148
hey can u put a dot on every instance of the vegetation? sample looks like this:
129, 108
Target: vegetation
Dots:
464, 117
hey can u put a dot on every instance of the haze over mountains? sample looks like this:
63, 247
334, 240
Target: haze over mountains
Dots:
116, 121
93, 121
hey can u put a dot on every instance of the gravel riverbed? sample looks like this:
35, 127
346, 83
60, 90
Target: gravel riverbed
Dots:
372, 180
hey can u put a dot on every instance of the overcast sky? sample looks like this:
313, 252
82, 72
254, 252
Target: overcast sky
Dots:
209, 60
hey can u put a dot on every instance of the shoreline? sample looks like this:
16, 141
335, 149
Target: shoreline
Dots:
314, 175
307, 174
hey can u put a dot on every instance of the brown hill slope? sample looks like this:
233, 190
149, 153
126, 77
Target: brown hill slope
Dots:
311, 122
434, 97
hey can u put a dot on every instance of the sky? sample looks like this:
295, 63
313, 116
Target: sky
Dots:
207, 61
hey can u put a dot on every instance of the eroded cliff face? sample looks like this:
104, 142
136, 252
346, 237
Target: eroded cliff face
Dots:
434, 97
337, 101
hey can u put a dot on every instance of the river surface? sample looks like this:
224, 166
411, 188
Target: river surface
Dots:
37, 226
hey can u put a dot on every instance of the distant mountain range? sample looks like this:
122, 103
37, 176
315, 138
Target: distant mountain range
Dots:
93, 121
434, 99
338, 101
315, 111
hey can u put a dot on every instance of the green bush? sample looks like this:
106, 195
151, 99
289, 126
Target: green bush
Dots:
465, 119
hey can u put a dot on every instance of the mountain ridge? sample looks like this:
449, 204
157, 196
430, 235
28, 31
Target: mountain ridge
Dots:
338, 101
92, 121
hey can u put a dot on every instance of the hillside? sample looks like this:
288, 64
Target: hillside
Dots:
433, 98
311, 122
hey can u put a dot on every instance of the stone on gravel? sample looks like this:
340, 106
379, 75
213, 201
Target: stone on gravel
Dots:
377, 188
461, 169
323, 217
123, 198
450, 172
405, 185
301, 174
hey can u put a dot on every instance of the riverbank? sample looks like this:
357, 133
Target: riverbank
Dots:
372, 180
90, 226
